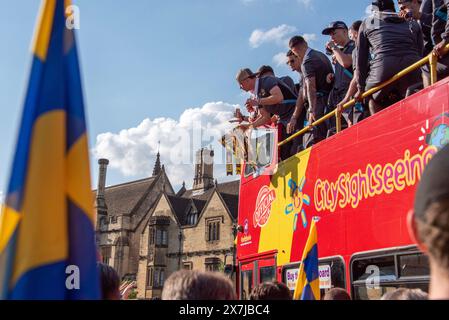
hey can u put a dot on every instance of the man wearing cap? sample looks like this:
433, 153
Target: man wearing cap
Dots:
429, 222
386, 45
338, 31
272, 96
315, 68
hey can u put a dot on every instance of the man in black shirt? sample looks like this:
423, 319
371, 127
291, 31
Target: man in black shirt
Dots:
386, 45
315, 68
339, 33
420, 11
272, 96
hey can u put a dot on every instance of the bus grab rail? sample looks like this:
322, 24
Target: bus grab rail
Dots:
431, 59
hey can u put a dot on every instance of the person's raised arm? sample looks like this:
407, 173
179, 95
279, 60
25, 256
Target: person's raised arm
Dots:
342, 58
276, 97
439, 48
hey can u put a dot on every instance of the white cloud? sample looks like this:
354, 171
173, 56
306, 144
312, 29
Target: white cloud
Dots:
310, 37
280, 59
306, 3
132, 151
278, 35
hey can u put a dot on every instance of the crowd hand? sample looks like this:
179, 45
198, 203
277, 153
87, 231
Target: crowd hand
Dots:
358, 96
250, 104
340, 105
291, 125
438, 50
274, 119
243, 127
239, 116
312, 119
330, 45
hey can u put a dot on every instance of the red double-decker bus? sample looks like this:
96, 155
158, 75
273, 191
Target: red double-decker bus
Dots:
361, 184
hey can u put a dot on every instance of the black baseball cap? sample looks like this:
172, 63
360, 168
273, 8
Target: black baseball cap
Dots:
434, 185
334, 25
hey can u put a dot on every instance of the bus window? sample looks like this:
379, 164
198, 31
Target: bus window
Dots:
413, 265
260, 150
332, 274
247, 284
374, 269
267, 274
372, 277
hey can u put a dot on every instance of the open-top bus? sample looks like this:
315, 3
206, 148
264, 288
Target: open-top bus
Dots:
361, 184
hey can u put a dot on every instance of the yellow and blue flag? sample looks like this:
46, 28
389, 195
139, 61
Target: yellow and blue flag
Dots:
47, 238
308, 284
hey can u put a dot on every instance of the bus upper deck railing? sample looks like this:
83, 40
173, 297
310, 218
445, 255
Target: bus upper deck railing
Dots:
431, 59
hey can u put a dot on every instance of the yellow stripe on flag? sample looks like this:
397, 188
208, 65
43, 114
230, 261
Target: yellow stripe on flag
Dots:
44, 26
44, 207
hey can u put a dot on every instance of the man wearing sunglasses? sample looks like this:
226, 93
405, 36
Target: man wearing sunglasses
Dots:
270, 96
315, 68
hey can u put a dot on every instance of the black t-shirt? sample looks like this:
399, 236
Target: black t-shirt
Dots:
342, 77
283, 110
317, 65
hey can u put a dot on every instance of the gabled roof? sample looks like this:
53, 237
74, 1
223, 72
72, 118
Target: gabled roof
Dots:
232, 187
179, 206
122, 198
232, 202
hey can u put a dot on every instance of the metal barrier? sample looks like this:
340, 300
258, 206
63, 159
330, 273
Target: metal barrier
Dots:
431, 59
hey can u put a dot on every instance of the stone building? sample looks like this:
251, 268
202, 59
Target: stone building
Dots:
146, 231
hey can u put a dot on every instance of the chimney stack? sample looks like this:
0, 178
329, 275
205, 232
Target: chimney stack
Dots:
102, 209
204, 169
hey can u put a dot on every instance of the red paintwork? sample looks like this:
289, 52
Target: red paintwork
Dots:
378, 222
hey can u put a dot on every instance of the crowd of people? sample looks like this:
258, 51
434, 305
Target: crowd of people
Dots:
361, 57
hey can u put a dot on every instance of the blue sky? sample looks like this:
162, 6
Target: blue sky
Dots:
145, 63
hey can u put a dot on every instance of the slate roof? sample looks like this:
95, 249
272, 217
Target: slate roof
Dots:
121, 199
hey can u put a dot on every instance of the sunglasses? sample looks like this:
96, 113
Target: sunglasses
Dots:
290, 61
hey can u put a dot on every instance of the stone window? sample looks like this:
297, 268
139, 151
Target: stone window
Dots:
213, 264
161, 237
158, 236
213, 230
187, 265
150, 277
151, 236
159, 277
106, 254
192, 216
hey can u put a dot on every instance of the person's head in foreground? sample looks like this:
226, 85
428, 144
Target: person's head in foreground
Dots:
110, 282
429, 222
405, 294
336, 294
197, 285
270, 291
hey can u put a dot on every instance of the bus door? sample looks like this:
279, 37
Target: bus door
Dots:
255, 270
266, 270
247, 279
